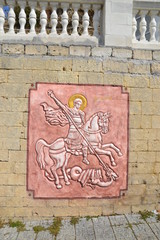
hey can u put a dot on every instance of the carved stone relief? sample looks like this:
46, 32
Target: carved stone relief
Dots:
77, 141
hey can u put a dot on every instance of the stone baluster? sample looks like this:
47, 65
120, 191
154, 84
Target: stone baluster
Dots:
134, 26
96, 19
2, 19
11, 17
54, 18
143, 25
153, 26
43, 18
32, 17
75, 18
65, 18
85, 19
22, 17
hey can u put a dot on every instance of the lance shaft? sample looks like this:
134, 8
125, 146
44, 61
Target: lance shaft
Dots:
60, 104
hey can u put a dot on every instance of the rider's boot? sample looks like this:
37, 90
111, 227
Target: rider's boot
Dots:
85, 153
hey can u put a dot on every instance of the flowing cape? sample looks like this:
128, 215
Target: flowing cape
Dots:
54, 116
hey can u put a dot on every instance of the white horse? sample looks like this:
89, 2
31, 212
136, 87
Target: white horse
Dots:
57, 154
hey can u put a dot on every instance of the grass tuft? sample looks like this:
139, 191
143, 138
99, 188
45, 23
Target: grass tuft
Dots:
74, 220
38, 229
55, 227
18, 224
146, 214
158, 217
2, 223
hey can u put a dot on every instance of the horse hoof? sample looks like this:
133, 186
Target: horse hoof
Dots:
59, 186
67, 183
85, 161
120, 154
113, 164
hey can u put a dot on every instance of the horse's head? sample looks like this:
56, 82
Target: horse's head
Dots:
103, 121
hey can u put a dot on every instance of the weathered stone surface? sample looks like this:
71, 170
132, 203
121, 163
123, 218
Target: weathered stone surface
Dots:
142, 54
13, 49
135, 219
8, 233
122, 53
35, 50
80, 51
136, 81
138, 67
156, 55
143, 230
155, 68
155, 83
102, 229
115, 66
67, 231
123, 233
155, 228
101, 52
90, 65
141, 95
44, 235
58, 51
28, 235
84, 230
117, 220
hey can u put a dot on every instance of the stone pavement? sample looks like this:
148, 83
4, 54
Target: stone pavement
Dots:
128, 226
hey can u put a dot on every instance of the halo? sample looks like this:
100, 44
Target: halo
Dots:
75, 96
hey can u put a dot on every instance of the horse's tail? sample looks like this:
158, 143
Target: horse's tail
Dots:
40, 144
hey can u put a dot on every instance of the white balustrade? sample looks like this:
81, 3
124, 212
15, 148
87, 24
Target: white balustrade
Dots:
85, 19
64, 18
96, 19
22, 17
43, 19
2, 20
11, 18
134, 26
153, 26
32, 18
145, 23
75, 19
51, 27
54, 19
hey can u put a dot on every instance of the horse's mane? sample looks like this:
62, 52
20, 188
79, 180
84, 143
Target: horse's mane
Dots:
90, 124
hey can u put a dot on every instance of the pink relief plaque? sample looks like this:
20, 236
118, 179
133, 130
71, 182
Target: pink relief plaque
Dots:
77, 141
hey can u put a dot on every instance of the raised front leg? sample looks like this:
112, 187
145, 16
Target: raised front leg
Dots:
108, 153
116, 149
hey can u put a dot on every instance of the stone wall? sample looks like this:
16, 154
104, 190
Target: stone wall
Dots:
21, 66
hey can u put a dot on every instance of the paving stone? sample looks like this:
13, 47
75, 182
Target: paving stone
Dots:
67, 231
8, 233
123, 232
44, 235
134, 218
156, 229
143, 232
26, 235
118, 220
84, 230
30, 224
102, 229
151, 219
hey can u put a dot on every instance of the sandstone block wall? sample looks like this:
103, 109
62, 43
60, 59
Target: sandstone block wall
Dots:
21, 66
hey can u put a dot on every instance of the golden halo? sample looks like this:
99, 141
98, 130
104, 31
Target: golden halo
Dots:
75, 96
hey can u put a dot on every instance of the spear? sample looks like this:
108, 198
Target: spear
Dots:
109, 171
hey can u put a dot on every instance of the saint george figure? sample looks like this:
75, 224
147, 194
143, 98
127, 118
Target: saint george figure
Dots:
74, 140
